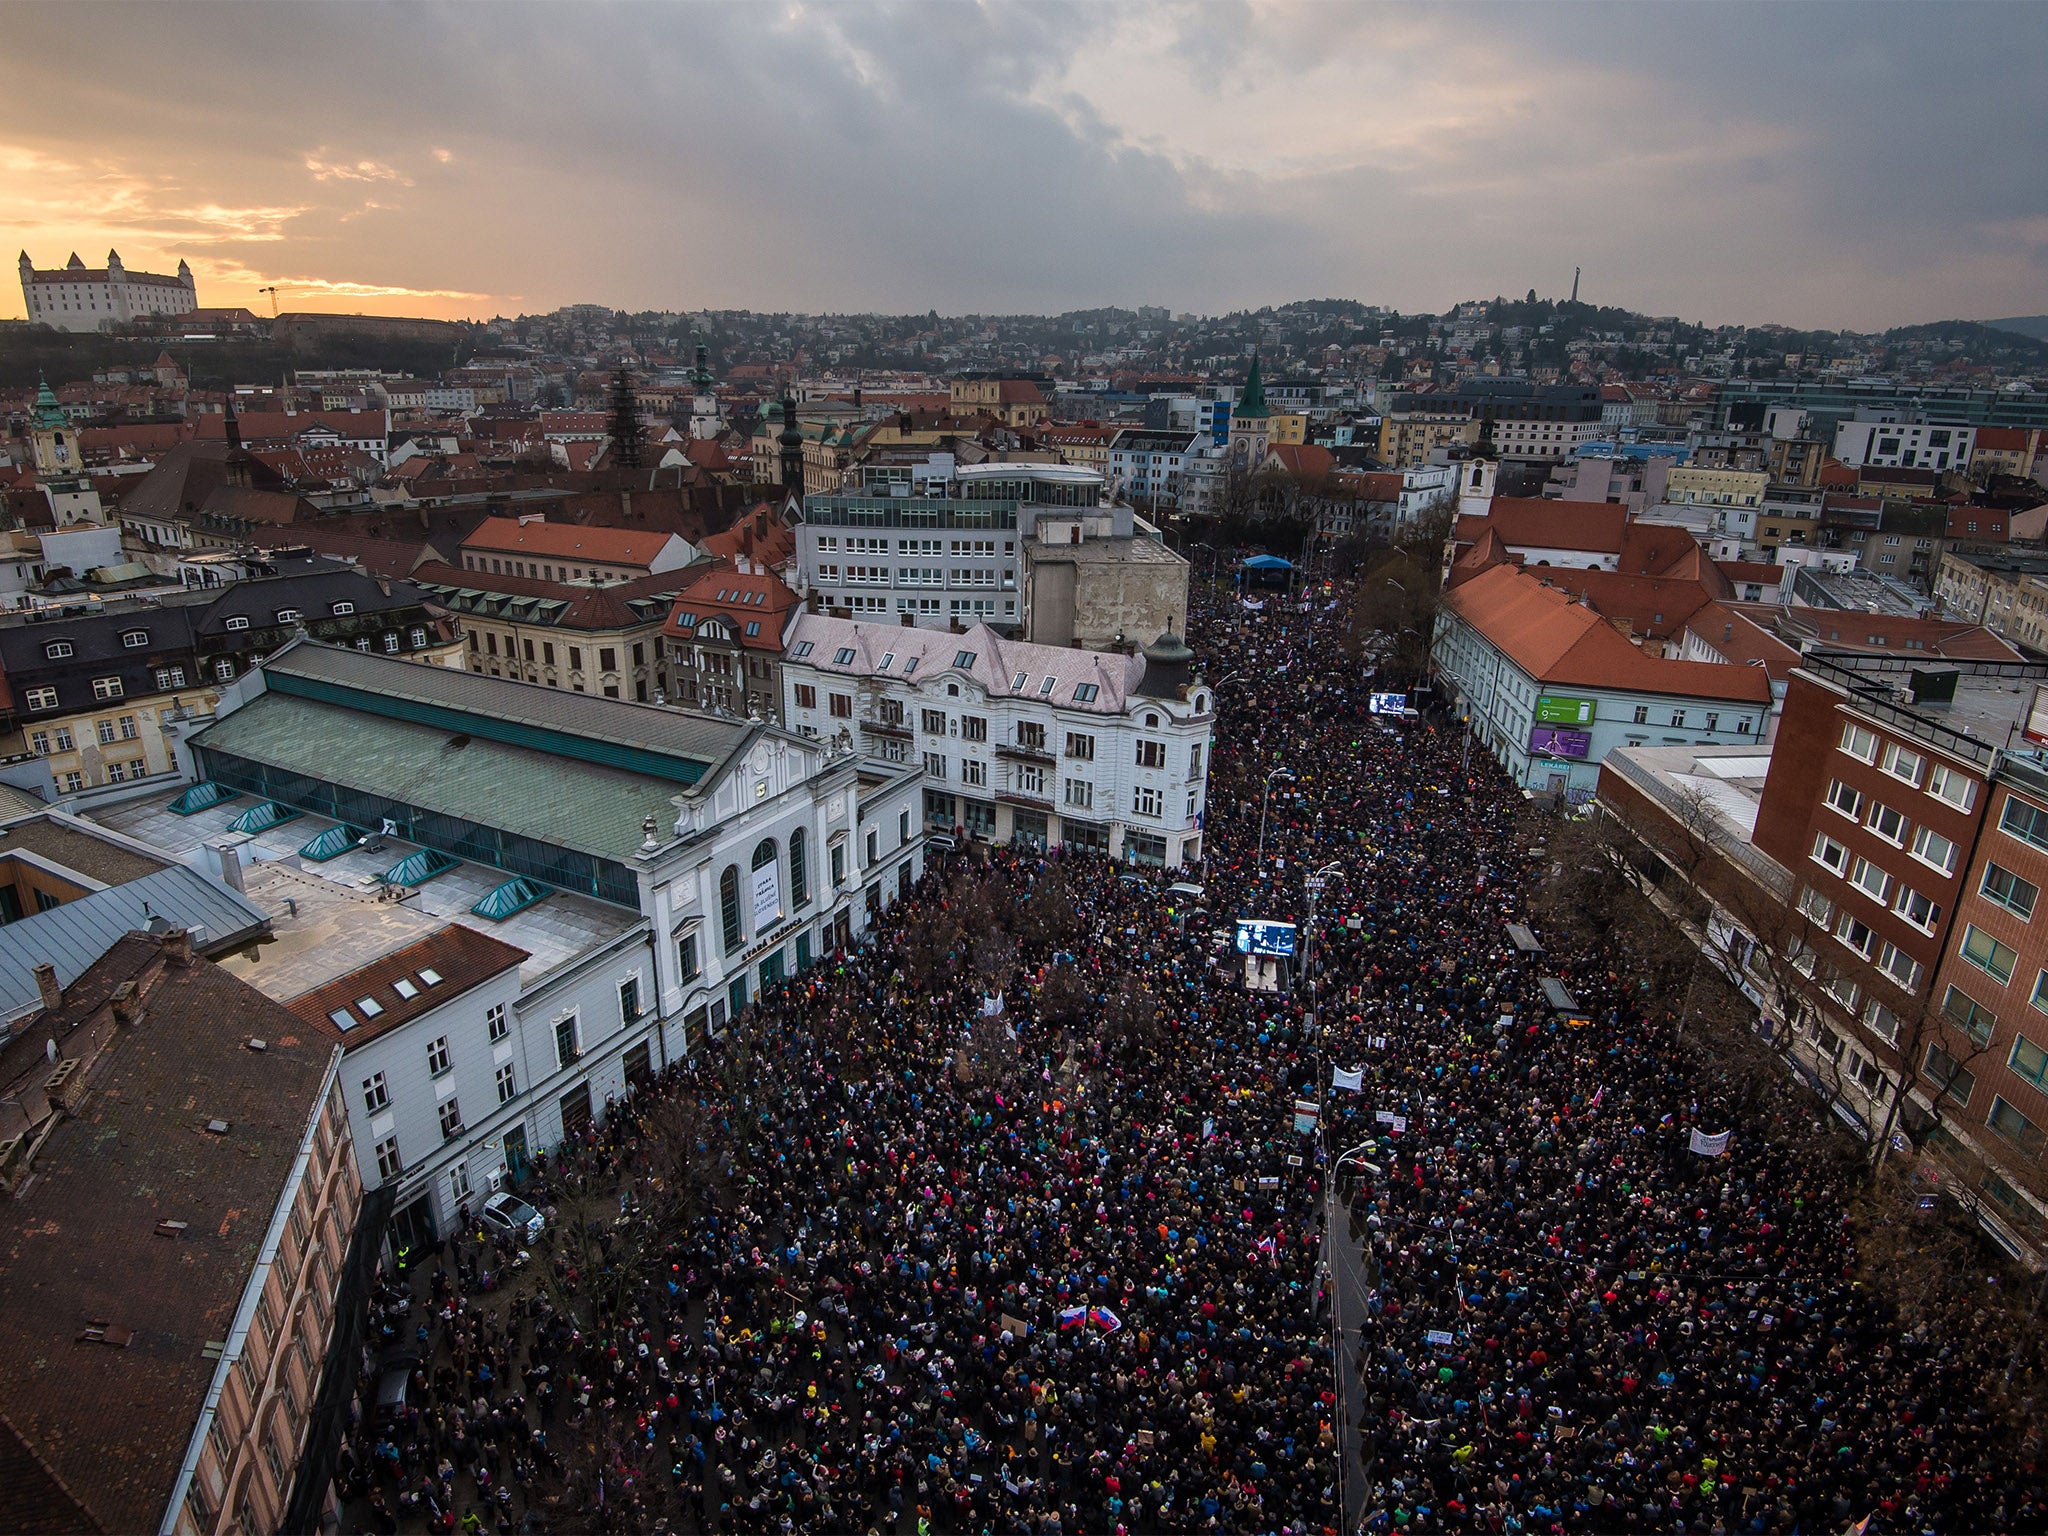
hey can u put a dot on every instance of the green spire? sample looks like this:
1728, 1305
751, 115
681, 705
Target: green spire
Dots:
48, 412
1253, 403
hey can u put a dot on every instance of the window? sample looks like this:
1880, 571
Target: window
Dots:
170, 677
1900, 966
973, 773
1030, 779
494, 1020
106, 688
2028, 823
1816, 906
135, 639
57, 650
73, 783
1881, 1021
963, 659
567, 1048
340, 610
1857, 934
391, 644
803, 649
1080, 794
1147, 802
1859, 743
106, 732
2028, 1060
1151, 754
1888, 823
799, 869
1848, 801
838, 862
389, 1164
1869, 879
375, 1095
629, 1000
430, 976
42, 698
1931, 848
1917, 909
508, 1084
2014, 1127
933, 721
451, 1119
1084, 693
236, 622
1830, 854
223, 671
806, 696
1953, 786
1903, 763
843, 657
973, 728
842, 705
418, 637
1987, 954
287, 615
1031, 735
437, 1057
2017, 896
729, 907
935, 764
1642, 716
1968, 1015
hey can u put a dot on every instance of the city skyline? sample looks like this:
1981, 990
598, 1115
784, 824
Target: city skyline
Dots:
1726, 164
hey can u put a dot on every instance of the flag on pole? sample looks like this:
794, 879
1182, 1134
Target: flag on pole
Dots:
1072, 1317
1105, 1319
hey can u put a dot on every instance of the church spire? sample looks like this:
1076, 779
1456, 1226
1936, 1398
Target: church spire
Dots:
791, 442
1253, 402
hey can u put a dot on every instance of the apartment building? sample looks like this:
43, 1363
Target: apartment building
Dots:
1031, 744
934, 543
1887, 439
535, 548
1151, 466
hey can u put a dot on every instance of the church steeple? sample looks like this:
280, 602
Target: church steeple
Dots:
791, 442
1253, 402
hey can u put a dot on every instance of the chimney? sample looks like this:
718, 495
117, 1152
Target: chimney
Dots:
127, 1004
177, 944
231, 866
46, 983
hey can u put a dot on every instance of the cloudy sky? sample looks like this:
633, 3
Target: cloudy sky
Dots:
1813, 164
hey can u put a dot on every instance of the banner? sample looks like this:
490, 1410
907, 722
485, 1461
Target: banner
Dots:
1353, 1081
1711, 1146
1305, 1116
767, 898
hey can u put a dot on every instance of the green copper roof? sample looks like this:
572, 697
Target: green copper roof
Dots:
48, 412
265, 815
331, 844
199, 797
1253, 401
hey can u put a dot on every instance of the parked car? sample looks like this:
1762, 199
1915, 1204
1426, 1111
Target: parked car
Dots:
509, 1213
394, 1382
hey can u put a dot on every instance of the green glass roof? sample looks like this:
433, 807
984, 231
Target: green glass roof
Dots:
199, 797
267, 814
332, 843
419, 868
515, 895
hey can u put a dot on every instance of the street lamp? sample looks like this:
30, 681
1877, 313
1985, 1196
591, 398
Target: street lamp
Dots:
1265, 801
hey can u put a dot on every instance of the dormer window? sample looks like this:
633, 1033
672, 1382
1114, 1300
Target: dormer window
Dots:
803, 649
843, 657
342, 608
963, 659
238, 621
287, 615
135, 639
1084, 693
57, 650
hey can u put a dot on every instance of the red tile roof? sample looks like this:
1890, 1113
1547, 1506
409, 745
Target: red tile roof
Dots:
1556, 640
1305, 459
566, 541
738, 598
1526, 522
462, 957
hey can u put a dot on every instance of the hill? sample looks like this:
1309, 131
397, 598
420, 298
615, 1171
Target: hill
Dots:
2035, 326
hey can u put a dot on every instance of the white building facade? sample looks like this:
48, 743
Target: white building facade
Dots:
1038, 745
75, 297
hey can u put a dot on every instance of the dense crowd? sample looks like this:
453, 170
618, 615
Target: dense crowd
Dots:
937, 1272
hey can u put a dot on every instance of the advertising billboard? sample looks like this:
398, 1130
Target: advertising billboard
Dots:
1556, 709
1388, 703
1556, 741
1255, 936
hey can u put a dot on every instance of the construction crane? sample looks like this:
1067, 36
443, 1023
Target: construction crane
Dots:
272, 291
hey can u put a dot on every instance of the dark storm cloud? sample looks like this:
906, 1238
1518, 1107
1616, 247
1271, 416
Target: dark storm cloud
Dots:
1839, 164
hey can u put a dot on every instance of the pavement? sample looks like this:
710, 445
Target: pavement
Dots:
1351, 1283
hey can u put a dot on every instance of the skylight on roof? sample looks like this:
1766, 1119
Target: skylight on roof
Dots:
405, 988
753, 628
910, 666
1017, 683
341, 1018
1046, 686
843, 657
369, 1007
1084, 693
888, 660
431, 977
964, 659
803, 649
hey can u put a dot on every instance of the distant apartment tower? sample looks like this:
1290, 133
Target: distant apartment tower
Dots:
75, 297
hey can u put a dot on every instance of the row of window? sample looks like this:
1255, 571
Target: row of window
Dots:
486, 643
1949, 785
828, 543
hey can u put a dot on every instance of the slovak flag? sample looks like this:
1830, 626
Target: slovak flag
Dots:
1105, 1319
1072, 1317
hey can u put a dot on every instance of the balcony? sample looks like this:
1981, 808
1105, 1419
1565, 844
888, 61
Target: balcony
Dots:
1021, 752
895, 729
1030, 801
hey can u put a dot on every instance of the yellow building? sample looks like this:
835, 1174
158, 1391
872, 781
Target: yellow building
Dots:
1286, 429
1408, 438
1013, 402
1691, 487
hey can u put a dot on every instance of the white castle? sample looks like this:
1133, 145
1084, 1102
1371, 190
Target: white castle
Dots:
75, 297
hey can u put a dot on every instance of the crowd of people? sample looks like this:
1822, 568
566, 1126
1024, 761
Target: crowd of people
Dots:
876, 1261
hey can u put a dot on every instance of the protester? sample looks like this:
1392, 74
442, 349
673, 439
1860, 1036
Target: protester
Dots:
1074, 1284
